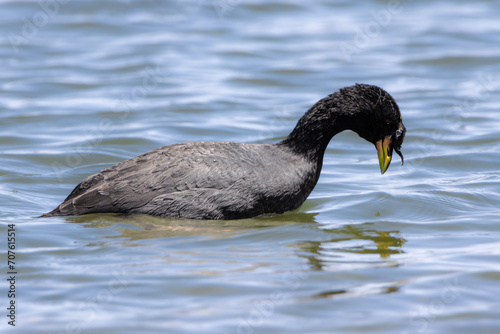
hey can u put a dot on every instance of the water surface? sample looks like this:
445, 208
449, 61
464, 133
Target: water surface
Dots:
86, 84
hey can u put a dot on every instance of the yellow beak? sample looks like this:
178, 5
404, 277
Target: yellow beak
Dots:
384, 151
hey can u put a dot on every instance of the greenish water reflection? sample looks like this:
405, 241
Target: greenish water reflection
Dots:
361, 239
141, 227
357, 239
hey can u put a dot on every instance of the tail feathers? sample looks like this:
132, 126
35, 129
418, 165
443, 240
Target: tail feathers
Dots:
54, 213
92, 201
66, 208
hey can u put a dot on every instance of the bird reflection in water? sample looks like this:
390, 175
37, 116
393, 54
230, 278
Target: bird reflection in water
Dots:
142, 227
353, 239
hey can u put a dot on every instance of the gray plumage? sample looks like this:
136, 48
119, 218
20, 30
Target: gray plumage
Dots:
224, 180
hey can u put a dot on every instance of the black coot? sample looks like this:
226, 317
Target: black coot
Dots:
224, 180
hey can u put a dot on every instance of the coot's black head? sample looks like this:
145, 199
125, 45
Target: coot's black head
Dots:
379, 120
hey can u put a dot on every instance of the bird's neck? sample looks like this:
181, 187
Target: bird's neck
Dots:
317, 127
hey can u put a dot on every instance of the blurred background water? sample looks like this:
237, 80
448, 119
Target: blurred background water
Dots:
86, 84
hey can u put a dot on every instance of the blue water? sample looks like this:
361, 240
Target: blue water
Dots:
86, 84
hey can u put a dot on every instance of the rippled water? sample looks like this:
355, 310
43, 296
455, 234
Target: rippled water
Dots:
86, 84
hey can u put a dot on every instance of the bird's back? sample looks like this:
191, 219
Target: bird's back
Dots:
203, 180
